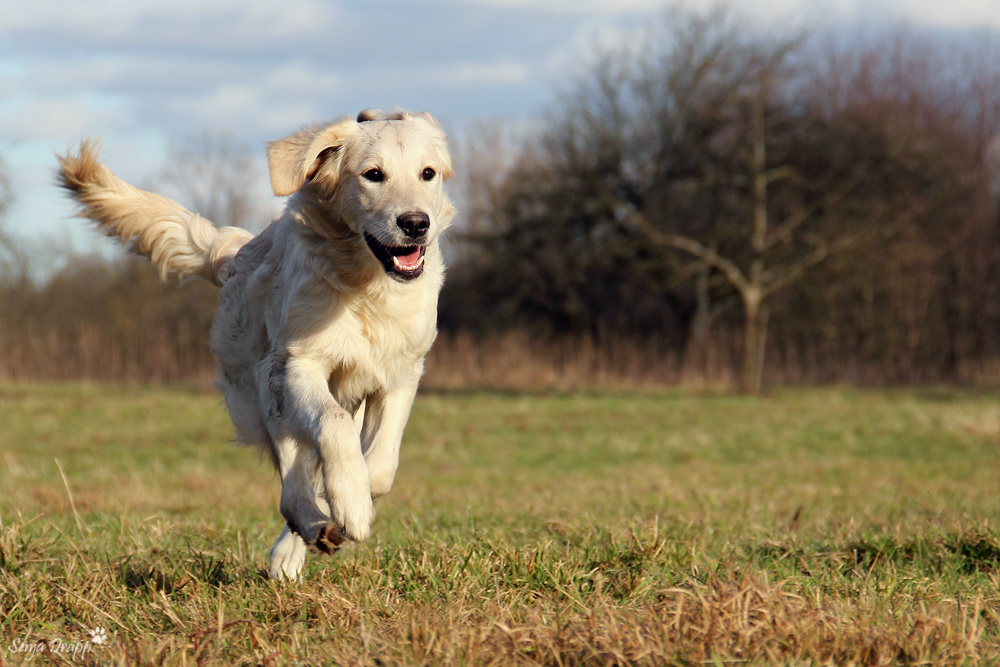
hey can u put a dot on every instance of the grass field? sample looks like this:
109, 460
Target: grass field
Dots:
811, 526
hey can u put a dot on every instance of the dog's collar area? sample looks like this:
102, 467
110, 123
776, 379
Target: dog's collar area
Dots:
401, 262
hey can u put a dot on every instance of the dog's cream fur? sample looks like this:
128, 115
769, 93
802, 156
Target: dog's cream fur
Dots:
321, 333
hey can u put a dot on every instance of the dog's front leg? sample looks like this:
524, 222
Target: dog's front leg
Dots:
385, 418
312, 416
305, 512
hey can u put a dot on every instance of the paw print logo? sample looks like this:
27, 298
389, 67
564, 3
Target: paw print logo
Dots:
98, 636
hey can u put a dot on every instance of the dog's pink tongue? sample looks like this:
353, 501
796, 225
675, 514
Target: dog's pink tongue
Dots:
410, 261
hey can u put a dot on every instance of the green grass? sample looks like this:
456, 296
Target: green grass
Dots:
810, 526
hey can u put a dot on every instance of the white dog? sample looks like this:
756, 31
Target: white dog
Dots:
324, 318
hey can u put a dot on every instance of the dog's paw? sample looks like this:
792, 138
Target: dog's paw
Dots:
330, 539
356, 518
288, 556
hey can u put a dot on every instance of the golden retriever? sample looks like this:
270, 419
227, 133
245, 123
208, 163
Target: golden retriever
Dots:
324, 318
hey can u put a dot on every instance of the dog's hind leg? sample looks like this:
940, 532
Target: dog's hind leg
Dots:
288, 555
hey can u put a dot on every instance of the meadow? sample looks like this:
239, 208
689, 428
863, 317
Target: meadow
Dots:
808, 526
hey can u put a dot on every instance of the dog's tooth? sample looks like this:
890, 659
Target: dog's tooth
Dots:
400, 265
410, 267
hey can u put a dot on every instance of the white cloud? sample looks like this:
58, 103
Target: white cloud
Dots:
30, 118
953, 14
145, 72
464, 74
573, 7
177, 23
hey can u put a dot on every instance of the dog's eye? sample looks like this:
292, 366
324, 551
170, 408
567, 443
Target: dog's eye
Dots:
428, 174
374, 175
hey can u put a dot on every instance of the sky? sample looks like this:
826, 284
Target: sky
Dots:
150, 74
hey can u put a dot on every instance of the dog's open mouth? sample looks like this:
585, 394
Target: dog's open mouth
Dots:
403, 262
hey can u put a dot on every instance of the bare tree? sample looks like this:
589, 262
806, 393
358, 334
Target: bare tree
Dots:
763, 246
712, 166
724, 147
14, 266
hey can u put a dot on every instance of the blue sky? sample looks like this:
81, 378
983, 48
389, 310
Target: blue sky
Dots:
146, 74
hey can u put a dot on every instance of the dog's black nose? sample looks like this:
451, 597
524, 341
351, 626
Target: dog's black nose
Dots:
414, 225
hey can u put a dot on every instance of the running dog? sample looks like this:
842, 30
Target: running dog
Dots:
324, 318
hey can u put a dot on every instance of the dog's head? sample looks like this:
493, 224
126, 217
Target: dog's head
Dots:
381, 174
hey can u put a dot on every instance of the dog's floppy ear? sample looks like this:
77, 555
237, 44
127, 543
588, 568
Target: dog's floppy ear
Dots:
294, 160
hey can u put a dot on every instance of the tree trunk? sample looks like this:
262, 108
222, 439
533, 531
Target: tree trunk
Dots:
696, 350
753, 332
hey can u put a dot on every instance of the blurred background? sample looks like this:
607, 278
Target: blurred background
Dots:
700, 193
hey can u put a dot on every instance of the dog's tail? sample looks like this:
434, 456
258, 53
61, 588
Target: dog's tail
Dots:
174, 239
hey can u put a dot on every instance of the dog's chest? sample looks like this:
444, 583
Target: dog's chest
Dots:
377, 345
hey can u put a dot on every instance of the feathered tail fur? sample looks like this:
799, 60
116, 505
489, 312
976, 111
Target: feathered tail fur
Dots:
174, 239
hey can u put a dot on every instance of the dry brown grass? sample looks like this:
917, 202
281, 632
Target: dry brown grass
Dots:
518, 360
815, 527
177, 350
